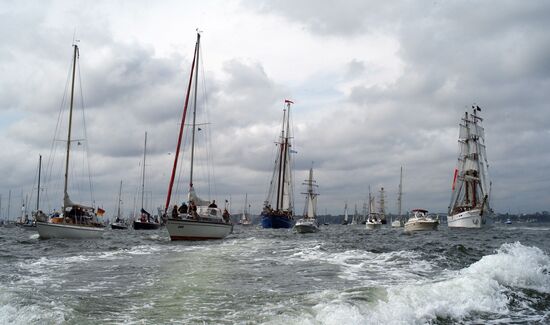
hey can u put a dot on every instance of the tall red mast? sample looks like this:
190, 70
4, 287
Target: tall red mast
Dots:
181, 128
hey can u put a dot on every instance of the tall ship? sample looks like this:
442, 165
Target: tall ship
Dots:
471, 189
399, 222
309, 222
195, 218
278, 206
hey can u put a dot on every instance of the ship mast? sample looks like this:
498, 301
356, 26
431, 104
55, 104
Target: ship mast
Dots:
178, 146
400, 193
66, 195
143, 171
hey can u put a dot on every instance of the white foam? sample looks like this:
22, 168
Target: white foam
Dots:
481, 287
15, 311
370, 268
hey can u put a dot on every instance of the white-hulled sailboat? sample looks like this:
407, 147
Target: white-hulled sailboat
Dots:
309, 222
374, 219
471, 188
145, 221
346, 216
199, 220
245, 217
119, 223
76, 221
398, 222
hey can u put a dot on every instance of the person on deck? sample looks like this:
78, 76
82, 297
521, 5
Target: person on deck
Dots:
183, 208
226, 215
213, 204
193, 209
175, 212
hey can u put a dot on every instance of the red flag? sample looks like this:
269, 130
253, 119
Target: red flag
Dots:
288, 101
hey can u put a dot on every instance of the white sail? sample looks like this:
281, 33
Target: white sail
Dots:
196, 199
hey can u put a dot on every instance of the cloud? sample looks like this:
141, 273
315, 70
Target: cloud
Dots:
376, 86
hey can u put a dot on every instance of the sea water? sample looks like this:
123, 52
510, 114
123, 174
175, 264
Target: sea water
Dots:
340, 275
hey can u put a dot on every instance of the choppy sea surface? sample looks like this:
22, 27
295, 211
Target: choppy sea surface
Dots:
341, 275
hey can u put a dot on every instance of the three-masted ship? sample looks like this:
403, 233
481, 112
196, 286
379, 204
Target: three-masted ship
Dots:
469, 207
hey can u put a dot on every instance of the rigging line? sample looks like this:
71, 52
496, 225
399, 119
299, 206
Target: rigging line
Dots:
212, 186
86, 145
53, 148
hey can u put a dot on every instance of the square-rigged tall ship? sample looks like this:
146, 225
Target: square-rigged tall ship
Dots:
471, 188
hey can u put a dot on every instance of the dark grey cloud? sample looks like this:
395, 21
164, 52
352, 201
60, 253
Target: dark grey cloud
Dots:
357, 131
453, 54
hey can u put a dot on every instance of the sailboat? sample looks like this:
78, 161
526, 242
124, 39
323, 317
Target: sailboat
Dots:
30, 224
309, 222
245, 217
145, 220
119, 223
471, 188
279, 215
197, 220
8, 223
77, 220
346, 217
355, 218
374, 220
398, 222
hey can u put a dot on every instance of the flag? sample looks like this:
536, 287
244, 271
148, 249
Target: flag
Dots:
288, 101
100, 212
454, 178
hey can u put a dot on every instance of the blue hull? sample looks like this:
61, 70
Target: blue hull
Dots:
276, 221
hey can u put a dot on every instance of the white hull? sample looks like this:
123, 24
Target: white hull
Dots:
421, 225
306, 226
373, 225
197, 230
53, 230
466, 219
397, 224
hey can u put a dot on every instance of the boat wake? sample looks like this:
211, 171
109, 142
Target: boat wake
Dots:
492, 287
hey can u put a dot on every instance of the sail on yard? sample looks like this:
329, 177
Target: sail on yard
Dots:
470, 196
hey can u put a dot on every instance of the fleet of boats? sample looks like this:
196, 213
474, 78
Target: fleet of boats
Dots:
199, 219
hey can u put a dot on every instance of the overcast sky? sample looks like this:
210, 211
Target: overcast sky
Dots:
376, 86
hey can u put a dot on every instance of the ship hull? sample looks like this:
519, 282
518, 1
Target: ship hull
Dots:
467, 219
55, 230
421, 226
306, 226
373, 225
276, 221
197, 230
146, 225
